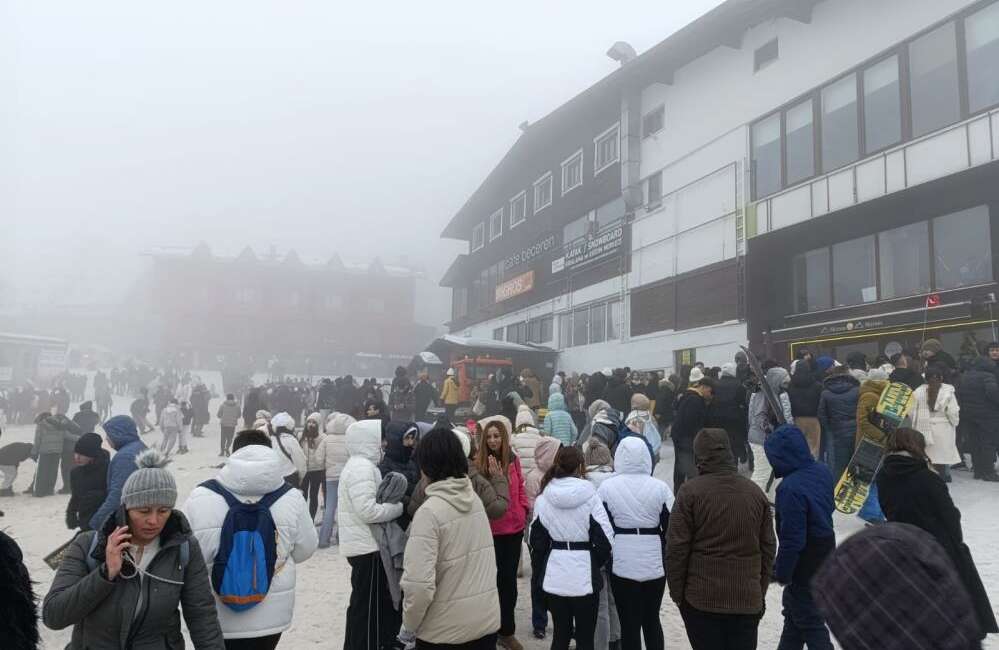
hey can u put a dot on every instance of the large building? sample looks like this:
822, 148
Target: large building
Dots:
785, 172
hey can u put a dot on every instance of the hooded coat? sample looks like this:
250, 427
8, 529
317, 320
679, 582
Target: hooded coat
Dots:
335, 444
634, 499
804, 392
88, 487
86, 418
978, 394
938, 425
357, 508
124, 437
804, 506
103, 613
524, 442
544, 458
720, 544
691, 417
449, 568
569, 510
398, 457
558, 423
493, 492
618, 393
911, 493
249, 474
838, 406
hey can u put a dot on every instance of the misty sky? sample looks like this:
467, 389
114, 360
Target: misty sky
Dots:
317, 125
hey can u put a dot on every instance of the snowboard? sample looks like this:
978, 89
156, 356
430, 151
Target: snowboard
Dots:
54, 559
768, 394
894, 405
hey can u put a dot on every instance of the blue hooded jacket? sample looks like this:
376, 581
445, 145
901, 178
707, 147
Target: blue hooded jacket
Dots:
124, 437
804, 504
558, 423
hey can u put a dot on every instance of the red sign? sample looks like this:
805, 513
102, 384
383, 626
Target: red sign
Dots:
515, 286
933, 300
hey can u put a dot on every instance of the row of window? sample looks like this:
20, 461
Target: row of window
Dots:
947, 252
930, 82
606, 152
248, 297
536, 330
591, 324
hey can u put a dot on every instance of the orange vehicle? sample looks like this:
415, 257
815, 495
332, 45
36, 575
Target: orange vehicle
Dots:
475, 372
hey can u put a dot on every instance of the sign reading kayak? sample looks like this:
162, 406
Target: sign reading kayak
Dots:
515, 286
586, 250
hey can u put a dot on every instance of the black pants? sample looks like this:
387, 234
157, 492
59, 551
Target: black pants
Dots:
708, 631
803, 624
310, 489
982, 437
293, 480
258, 643
507, 549
67, 463
450, 411
227, 436
487, 642
684, 468
46, 474
573, 617
638, 605
372, 621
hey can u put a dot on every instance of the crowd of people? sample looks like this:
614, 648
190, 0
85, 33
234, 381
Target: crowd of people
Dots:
432, 515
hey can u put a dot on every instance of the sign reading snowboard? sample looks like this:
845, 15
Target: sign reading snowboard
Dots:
893, 407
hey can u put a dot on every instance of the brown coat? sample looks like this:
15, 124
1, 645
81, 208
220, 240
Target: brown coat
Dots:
720, 544
870, 394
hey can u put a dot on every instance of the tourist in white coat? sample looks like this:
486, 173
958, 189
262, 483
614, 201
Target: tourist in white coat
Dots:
638, 506
252, 471
570, 542
936, 416
525, 437
336, 457
372, 620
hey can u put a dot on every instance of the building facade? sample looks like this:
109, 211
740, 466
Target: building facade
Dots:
789, 173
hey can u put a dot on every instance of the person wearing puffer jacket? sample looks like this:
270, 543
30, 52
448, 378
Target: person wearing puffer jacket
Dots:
281, 429
313, 443
599, 468
372, 621
638, 506
525, 438
570, 542
335, 452
544, 457
122, 436
838, 417
253, 470
558, 422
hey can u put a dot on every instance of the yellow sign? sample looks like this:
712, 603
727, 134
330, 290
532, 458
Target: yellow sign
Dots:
515, 286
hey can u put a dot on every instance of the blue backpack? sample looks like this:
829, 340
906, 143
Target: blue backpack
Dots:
244, 564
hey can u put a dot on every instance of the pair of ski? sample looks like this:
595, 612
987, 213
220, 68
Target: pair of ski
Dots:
893, 407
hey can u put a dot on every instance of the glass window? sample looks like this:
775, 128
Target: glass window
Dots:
766, 156
572, 172
962, 248
933, 80
811, 281
547, 324
799, 142
478, 237
498, 334
580, 326
576, 229
653, 121
853, 272
543, 192
615, 320
495, 225
904, 260
839, 123
606, 150
598, 323
654, 189
610, 211
982, 48
518, 209
565, 330
882, 105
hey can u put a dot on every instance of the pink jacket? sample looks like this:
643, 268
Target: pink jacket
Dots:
515, 519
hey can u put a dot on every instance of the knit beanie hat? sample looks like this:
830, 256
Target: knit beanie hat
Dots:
151, 484
932, 346
524, 416
88, 445
262, 415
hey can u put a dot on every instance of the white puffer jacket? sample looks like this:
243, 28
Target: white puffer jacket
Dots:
249, 474
356, 505
315, 457
336, 444
294, 461
523, 444
563, 512
634, 499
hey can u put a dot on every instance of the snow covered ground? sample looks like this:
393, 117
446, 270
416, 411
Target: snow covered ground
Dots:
324, 582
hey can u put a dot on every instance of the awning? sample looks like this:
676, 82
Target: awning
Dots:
875, 323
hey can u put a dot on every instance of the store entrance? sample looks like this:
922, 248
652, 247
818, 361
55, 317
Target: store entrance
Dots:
960, 342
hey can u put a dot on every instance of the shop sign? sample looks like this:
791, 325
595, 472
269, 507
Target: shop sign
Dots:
529, 253
515, 286
908, 317
590, 249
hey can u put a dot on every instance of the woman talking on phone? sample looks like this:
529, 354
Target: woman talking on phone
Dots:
119, 587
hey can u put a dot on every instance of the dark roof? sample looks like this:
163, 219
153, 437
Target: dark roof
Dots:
722, 26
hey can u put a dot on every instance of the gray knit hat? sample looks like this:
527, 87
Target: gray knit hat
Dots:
151, 484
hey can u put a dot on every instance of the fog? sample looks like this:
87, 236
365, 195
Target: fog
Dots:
320, 126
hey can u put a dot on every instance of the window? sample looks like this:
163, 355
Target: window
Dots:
962, 244
580, 326
853, 272
495, 225
981, 36
654, 121
615, 320
578, 228
839, 123
765, 55
799, 138
654, 190
498, 334
766, 156
811, 281
606, 150
459, 302
882, 105
478, 237
904, 260
598, 323
543, 192
547, 327
933, 80
565, 330
539, 330
518, 209
572, 172
517, 333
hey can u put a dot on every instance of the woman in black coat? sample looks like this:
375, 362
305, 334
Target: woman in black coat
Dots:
912, 493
